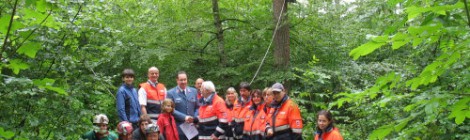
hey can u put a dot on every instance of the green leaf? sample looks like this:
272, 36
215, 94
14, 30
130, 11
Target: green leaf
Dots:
29, 49
41, 5
6, 134
393, 3
460, 110
401, 125
381, 132
16, 65
414, 11
417, 41
369, 47
398, 44
5, 22
47, 83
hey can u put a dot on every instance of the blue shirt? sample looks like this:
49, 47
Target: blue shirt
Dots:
185, 104
127, 104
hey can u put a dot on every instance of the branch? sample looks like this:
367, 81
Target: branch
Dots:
233, 19
8, 30
228, 28
207, 44
295, 24
76, 14
197, 31
466, 10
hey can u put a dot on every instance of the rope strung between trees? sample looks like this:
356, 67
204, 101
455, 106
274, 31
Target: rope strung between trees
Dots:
272, 39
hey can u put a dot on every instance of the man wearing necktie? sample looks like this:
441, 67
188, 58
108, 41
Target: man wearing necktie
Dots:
185, 99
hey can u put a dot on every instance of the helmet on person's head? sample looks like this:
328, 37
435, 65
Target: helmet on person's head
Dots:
100, 118
152, 128
124, 128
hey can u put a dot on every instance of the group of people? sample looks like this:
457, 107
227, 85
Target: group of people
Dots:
153, 112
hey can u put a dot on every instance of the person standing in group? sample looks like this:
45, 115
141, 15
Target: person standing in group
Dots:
255, 118
124, 130
152, 94
241, 106
284, 118
214, 116
100, 129
231, 96
268, 99
185, 99
127, 102
197, 85
325, 128
166, 121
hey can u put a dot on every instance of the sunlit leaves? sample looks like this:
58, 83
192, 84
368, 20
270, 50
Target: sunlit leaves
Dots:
414, 11
369, 47
6, 134
29, 49
435, 69
47, 83
5, 24
461, 110
399, 40
16, 65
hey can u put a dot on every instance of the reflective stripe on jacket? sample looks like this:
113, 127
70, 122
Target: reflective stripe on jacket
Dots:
285, 120
239, 110
155, 97
255, 123
213, 117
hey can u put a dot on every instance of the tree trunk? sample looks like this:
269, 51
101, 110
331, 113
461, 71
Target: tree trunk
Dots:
219, 33
281, 39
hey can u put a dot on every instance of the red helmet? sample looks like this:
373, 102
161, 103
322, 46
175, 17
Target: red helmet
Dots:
125, 128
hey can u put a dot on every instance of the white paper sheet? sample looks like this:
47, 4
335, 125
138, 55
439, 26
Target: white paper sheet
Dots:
189, 130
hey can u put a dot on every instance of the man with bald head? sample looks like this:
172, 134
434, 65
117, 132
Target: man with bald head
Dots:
152, 94
197, 85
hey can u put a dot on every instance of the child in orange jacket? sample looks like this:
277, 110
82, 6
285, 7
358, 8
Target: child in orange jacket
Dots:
325, 128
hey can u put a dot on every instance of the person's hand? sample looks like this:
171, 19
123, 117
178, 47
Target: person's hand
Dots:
270, 132
213, 137
189, 119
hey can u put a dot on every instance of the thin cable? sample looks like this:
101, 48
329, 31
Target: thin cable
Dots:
272, 39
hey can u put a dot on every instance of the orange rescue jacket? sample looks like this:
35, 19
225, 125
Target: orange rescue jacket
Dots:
213, 118
155, 97
285, 120
330, 135
255, 123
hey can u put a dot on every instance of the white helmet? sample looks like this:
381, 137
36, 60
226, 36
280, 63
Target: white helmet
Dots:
100, 118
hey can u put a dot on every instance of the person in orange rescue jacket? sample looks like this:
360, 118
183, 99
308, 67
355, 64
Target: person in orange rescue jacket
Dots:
285, 121
152, 94
325, 128
230, 100
213, 114
255, 118
240, 107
